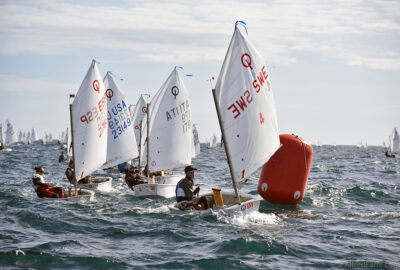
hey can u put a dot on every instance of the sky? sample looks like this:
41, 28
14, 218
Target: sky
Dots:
334, 65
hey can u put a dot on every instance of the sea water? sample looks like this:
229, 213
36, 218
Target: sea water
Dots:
349, 219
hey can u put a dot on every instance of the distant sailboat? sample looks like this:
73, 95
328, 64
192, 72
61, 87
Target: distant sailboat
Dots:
21, 137
28, 137
170, 138
34, 137
196, 142
1, 137
10, 135
394, 143
213, 143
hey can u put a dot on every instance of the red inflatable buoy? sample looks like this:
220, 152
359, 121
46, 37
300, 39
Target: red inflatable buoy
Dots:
284, 177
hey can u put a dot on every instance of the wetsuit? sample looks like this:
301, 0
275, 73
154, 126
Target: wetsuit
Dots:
44, 190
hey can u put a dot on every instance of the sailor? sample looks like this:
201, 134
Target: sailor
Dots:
387, 153
61, 157
69, 173
44, 189
132, 177
185, 193
123, 167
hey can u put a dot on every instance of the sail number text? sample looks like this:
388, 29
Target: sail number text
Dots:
118, 119
97, 113
240, 104
182, 111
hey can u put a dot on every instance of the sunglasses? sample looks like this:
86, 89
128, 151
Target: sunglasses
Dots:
192, 171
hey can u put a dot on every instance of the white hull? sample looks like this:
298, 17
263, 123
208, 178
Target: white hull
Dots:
164, 186
98, 184
85, 197
249, 205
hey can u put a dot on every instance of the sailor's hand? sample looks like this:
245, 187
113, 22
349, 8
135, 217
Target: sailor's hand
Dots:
196, 191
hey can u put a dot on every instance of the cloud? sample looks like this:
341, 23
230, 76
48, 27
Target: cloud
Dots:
13, 83
177, 30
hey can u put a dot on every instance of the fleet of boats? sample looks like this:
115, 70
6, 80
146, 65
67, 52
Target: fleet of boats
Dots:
157, 137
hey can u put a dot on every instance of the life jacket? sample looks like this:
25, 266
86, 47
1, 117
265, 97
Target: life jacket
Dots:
180, 192
37, 178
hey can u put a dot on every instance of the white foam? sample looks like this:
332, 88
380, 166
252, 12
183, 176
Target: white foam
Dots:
152, 210
255, 218
18, 251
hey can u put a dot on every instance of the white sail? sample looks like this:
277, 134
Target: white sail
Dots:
247, 107
20, 137
394, 142
1, 133
196, 142
139, 114
121, 145
69, 144
89, 116
10, 135
170, 135
28, 137
213, 142
34, 136
65, 137
24, 137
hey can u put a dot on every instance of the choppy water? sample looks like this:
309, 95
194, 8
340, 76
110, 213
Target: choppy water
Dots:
349, 218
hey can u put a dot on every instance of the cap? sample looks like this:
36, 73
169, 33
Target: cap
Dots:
190, 168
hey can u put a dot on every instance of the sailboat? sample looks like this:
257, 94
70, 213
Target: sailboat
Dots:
28, 138
247, 116
34, 136
88, 115
196, 142
138, 116
394, 144
1, 137
121, 146
169, 138
213, 142
10, 135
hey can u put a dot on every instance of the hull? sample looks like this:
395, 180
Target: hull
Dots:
98, 184
85, 197
163, 186
249, 205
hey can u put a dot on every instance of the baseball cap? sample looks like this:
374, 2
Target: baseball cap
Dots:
190, 168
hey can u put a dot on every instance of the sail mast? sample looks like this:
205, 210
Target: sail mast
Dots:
148, 140
72, 142
228, 154
140, 148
